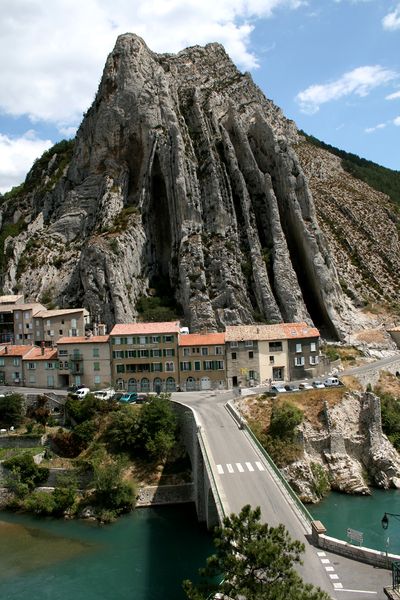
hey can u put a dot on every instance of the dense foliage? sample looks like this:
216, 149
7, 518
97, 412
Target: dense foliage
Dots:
25, 474
256, 562
380, 178
390, 411
11, 410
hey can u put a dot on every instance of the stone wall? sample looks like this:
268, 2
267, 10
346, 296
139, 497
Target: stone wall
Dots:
166, 494
14, 441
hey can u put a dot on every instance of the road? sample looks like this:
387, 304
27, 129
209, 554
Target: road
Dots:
243, 477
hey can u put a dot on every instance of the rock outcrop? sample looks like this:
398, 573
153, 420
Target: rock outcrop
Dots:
350, 450
185, 181
182, 172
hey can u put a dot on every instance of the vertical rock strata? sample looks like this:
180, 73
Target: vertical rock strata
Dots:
183, 171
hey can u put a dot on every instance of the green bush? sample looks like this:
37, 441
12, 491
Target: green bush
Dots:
11, 410
320, 482
26, 471
39, 503
285, 418
390, 412
111, 492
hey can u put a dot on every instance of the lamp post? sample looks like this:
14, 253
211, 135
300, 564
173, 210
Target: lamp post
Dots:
395, 565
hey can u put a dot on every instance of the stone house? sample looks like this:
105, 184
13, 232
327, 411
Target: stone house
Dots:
202, 361
51, 325
258, 354
145, 356
11, 366
39, 367
84, 360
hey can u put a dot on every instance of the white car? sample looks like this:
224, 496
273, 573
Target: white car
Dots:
105, 394
331, 382
305, 386
277, 388
318, 384
81, 393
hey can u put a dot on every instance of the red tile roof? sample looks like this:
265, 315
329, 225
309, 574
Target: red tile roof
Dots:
279, 331
202, 339
145, 328
94, 339
36, 354
14, 350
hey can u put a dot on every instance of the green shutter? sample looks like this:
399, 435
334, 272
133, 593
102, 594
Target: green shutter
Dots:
151, 353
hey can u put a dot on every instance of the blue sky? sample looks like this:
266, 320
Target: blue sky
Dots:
333, 66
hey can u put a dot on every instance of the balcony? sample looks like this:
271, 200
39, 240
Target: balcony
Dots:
76, 357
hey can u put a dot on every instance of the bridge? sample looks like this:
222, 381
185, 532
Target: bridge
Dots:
230, 471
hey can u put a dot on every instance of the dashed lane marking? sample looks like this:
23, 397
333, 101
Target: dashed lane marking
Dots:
334, 576
329, 569
220, 469
239, 467
338, 586
249, 466
230, 468
321, 554
259, 466
325, 561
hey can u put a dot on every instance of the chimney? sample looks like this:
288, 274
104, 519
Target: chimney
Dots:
102, 328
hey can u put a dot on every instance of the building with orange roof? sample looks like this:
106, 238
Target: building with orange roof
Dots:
40, 367
145, 356
202, 361
262, 353
84, 360
11, 367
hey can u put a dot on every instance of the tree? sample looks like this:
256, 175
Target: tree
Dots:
284, 420
255, 561
158, 425
39, 411
11, 409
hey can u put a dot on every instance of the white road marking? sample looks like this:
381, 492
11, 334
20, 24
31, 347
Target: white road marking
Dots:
338, 586
249, 466
259, 466
239, 467
329, 569
355, 591
334, 576
325, 561
220, 469
321, 554
229, 467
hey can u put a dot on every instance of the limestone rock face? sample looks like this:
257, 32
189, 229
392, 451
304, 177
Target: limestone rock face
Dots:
182, 172
349, 448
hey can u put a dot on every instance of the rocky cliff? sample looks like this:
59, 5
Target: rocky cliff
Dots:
184, 177
349, 452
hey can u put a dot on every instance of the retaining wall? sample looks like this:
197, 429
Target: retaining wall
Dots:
16, 441
166, 494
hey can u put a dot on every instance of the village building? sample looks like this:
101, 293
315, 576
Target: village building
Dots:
84, 360
40, 367
202, 361
11, 367
145, 356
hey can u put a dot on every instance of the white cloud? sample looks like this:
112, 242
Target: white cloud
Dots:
396, 121
393, 96
372, 129
392, 20
17, 156
360, 82
53, 52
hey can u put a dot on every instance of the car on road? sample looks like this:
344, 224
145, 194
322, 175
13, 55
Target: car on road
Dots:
73, 388
292, 387
332, 382
279, 389
81, 393
128, 398
318, 384
305, 386
105, 394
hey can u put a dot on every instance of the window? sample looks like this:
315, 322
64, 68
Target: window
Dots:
207, 365
204, 351
252, 374
169, 366
31, 365
118, 354
61, 365
169, 352
186, 366
156, 366
66, 364
233, 344
298, 347
251, 354
249, 343
298, 361
156, 339
63, 352
156, 352
275, 346
167, 338
73, 323
233, 355
49, 365
117, 341
313, 347
129, 353
197, 365
219, 364
48, 323
26, 315
96, 366
143, 353
314, 360
129, 341
60, 331
142, 339
15, 377
1, 362
96, 353
218, 350
62, 321
32, 378
271, 360
16, 361
186, 351
97, 379
16, 315
120, 368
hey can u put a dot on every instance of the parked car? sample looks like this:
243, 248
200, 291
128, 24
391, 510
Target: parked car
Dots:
142, 398
105, 394
81, 393
305, 386
279, 389
128, 398
332, 382
291, 387
318, 384
73, 388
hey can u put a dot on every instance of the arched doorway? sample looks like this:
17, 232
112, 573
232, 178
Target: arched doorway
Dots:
132, 385
157, 385
205, 383
170, 385
190, 384
145, 385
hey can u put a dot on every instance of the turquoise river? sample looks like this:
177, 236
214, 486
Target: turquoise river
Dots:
146, 555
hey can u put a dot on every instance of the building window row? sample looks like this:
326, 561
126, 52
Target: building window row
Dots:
208, 365
151, 353
142, 340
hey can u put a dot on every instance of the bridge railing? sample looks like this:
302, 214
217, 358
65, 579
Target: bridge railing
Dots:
243, 424
213, 484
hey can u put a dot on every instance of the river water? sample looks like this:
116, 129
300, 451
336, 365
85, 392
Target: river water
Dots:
143, 556
338, 512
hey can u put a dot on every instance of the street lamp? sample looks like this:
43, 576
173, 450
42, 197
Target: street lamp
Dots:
385, 519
